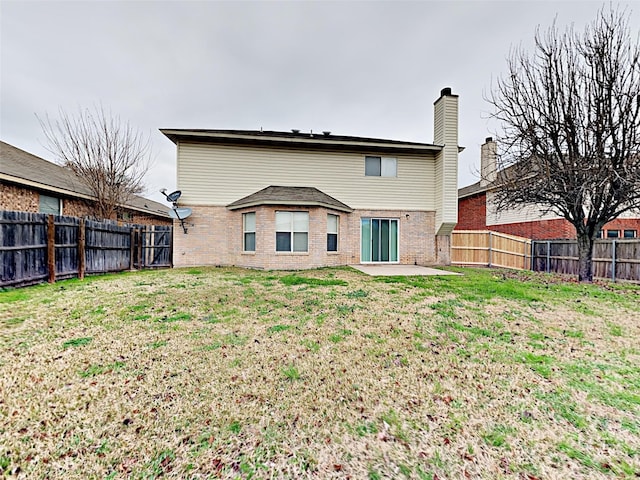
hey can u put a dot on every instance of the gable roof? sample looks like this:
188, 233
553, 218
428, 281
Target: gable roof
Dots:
290, 196
24, 168
297, 139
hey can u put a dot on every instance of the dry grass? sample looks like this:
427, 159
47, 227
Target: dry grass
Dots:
228, 373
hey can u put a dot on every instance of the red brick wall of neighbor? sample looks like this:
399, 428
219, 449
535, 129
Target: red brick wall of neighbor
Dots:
538, 230
472, 215
472, 212
622, 224
20, 199
215, 238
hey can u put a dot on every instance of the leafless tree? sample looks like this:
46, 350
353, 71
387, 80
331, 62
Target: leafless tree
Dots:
570, 127
107, 154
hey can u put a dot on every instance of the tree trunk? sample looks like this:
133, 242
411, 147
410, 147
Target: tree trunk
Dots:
585, 258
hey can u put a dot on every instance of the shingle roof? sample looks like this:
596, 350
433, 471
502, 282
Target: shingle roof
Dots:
302, 196
24, 168
472, 189
296, 139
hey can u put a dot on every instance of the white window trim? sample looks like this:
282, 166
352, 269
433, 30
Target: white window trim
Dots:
292, 233
245, 231
388, 166
336, 233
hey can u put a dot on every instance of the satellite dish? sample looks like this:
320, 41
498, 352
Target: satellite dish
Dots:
174, 196
179, 213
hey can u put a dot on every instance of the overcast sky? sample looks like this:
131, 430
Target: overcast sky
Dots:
355, 68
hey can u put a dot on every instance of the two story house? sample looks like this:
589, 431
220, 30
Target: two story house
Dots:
294, 200
477, 210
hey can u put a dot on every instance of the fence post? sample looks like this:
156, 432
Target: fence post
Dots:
490, 247
51, 248
548, 256
141, 244
613, 261
81, 249
132, 243
531, 262
170, 246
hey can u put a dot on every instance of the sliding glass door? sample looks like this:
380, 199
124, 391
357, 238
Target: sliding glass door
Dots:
379, 240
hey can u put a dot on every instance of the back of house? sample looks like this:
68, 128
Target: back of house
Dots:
294, 200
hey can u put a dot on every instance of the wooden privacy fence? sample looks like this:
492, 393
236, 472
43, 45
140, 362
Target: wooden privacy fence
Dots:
490, 249
36, 247
617, 259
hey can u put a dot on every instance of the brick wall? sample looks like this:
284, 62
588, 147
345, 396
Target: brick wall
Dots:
538, 230
472, 212
215, 238
472, 215
18, 199
622, 224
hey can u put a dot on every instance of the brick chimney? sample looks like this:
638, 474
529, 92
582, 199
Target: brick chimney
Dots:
488, 159
445, 133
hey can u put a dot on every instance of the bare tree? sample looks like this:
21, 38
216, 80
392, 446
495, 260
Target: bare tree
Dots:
108, 155
570, 119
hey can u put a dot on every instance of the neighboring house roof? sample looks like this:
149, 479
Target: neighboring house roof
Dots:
303, 196
474, 189
296, 139
23, 168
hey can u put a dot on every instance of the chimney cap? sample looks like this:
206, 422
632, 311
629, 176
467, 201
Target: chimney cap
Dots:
488, 139
445, 92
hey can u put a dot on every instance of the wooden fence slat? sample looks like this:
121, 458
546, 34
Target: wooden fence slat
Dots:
51, 249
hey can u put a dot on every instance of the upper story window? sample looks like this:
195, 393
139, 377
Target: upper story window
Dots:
52, 205
249, 232
380, 166
292, 231
332, 232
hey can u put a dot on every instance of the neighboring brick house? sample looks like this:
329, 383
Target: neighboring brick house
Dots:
31, 184
476, 211
293, 200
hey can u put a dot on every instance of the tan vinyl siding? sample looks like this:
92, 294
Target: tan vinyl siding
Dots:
219, 175
514, 215
446, 170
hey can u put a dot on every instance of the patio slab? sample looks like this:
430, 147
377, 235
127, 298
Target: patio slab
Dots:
400, 270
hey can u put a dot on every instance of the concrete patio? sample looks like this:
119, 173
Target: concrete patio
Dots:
400, 270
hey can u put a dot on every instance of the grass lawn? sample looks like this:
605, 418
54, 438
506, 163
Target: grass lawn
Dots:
230, 373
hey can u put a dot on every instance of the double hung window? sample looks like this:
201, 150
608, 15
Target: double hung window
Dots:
332, 232
292, 231
249, 231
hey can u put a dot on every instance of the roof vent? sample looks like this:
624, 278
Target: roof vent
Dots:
295, 130
326, 133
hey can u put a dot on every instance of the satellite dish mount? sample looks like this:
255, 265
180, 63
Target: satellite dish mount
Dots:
176, 212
